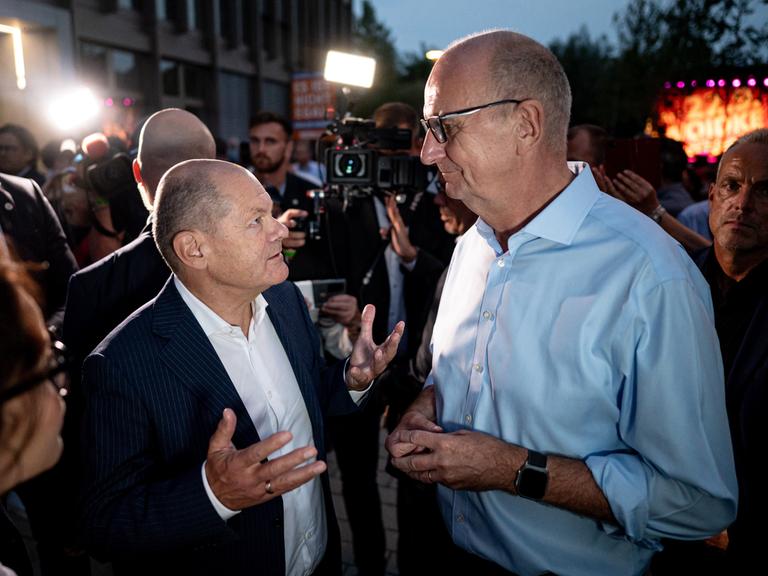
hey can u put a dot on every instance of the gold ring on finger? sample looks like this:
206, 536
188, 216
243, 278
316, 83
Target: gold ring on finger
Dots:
268, 487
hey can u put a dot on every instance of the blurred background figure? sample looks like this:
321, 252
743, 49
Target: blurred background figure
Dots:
586, 142
31, 408
304, 165
18, 153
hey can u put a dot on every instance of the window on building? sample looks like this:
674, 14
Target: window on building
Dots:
194, 81
169, 71
126, 69
95, 64
137, 5
194, 14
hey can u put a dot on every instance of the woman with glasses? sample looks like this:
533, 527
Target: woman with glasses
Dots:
31, 389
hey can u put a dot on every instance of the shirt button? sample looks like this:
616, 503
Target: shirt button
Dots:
478, 368
460, 518
488, 315
500, 263
468, 418
8, 206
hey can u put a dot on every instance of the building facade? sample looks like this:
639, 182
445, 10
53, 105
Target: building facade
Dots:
221, 59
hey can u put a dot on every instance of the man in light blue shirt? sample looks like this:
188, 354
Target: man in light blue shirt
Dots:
576, 411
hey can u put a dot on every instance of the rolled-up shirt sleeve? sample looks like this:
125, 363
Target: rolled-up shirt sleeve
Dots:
676, 477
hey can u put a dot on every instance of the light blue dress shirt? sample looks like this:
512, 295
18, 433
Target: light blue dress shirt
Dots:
591, 337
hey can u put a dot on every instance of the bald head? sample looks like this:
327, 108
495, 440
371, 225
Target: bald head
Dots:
509, 65
167, 138
191, 196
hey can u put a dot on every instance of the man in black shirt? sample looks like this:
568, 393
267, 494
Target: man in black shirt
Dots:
736, 267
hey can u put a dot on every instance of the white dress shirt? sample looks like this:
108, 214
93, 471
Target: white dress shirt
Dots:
263, 377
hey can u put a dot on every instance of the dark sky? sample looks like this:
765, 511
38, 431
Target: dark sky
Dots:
438, 22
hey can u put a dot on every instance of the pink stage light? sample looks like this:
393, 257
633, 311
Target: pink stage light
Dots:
694, 83
667, 85
711, 159
109, 102
127, 102
765, 81
736, 83
710, 83
681, 84
751, 82
721, 82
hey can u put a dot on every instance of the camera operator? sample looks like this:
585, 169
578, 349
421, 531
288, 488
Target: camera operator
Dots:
117, 215
392, 267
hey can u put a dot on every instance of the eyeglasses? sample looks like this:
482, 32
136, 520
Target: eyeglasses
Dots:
435, 124
55, 374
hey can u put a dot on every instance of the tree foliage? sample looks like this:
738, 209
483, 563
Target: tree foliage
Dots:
658, 41
614, 86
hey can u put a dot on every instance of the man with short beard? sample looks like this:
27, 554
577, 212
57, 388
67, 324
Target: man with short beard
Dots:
271, 147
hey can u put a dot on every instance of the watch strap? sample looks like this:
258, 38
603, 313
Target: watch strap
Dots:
536, 459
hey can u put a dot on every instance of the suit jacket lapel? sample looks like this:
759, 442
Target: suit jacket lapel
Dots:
190, 355
279, 311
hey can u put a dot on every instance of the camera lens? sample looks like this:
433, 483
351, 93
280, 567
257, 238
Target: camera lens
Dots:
350, 165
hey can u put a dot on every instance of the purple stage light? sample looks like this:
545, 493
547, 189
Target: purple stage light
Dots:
710, 83
681, 84
736, 83
751, 82
694, 83
721, 82
667, 85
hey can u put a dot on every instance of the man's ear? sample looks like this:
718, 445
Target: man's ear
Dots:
189, 247
529, 126
137, 171
711, 192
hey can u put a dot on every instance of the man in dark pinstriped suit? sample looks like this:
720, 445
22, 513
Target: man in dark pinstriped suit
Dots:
204, 418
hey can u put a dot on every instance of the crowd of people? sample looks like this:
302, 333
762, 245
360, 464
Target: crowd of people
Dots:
571, 362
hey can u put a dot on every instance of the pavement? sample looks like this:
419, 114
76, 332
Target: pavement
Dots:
388, 495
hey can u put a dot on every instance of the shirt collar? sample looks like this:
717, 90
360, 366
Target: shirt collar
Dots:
562, 218
211, 322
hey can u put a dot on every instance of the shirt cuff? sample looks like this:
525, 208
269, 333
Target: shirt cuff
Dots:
357, 396
223, 512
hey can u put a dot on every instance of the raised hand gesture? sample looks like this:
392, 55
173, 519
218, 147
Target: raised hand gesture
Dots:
368, 359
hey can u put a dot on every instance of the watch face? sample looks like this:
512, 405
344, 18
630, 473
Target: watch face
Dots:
532, 483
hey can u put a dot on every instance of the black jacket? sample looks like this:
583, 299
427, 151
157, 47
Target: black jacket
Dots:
29, 222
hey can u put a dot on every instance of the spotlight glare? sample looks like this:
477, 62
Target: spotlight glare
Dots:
73, 110
349, 69
736, 83
433, 54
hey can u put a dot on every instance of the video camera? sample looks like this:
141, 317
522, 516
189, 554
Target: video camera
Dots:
365, 160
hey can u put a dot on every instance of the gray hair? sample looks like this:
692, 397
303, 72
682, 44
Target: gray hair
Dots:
520, 67
187, 199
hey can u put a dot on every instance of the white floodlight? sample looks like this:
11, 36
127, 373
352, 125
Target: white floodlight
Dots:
349, 69
73, 110
18, 54
434, 55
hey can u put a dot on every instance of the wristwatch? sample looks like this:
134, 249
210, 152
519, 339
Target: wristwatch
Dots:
532, 477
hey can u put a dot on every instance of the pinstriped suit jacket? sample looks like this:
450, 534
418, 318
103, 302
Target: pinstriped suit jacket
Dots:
155, 391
